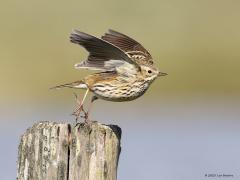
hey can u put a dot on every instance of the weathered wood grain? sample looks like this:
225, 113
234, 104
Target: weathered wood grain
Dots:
50, 150
94, 152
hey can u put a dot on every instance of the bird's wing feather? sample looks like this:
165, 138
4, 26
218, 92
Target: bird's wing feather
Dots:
102, 54
133, 48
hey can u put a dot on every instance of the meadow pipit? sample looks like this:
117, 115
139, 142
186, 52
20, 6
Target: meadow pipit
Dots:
126, 68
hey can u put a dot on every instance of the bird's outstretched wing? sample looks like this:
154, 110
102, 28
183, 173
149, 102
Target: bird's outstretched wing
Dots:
102, 54
131, 47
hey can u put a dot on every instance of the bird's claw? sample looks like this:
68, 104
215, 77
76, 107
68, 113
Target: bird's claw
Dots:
79, 109
77, 114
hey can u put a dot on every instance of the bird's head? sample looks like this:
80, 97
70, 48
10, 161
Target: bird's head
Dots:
150, 73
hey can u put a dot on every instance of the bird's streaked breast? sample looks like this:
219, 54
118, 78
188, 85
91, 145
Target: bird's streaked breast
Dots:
120, 92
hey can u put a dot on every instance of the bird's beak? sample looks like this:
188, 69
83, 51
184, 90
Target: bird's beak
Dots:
162, 74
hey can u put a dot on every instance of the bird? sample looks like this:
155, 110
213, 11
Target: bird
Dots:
124, 69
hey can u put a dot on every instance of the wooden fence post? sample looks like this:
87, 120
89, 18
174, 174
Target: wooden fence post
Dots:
50, 150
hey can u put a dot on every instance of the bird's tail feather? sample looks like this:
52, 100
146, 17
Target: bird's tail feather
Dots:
76, 84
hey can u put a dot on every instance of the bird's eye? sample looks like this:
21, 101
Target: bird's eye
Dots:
149, 71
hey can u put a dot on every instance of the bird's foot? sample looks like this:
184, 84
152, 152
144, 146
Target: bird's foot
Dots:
87, 120
78, 109
77, 113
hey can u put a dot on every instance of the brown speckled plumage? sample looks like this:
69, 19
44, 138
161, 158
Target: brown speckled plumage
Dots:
126, 67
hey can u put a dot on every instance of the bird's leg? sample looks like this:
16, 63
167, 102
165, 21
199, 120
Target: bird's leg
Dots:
87, 120
79, 108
